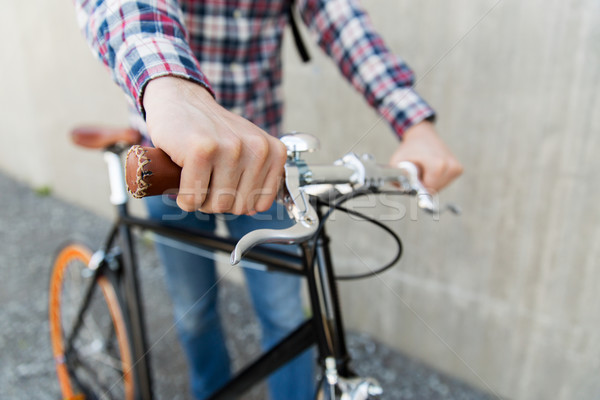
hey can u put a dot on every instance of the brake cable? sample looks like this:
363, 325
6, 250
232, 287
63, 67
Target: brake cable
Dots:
337, 205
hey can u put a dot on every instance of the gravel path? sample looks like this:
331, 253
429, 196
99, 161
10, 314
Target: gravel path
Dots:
33, 226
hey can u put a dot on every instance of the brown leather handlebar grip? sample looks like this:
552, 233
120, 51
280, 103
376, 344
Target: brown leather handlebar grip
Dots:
150, 172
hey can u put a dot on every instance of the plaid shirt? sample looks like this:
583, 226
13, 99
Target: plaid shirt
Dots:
232, 47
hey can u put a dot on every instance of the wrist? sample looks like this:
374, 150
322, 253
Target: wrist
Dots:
423, 128
173, 88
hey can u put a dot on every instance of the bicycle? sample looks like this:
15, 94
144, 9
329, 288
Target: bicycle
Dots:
96, 322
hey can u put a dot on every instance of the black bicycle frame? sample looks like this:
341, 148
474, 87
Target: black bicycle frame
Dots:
324, 328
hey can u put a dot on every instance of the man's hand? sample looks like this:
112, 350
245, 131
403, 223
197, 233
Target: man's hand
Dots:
422, 146
229, 164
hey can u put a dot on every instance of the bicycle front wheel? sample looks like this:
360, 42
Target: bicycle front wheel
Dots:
90, 344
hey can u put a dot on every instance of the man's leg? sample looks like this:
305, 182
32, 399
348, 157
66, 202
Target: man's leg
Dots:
191, 282
278, 305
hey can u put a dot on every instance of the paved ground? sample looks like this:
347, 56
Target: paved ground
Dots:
33, 226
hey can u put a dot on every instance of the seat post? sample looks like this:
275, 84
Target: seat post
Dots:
116, 177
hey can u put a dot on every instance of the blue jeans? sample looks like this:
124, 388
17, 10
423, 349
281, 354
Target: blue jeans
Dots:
191, 282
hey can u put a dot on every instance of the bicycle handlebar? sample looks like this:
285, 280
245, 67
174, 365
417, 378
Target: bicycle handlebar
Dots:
151, 172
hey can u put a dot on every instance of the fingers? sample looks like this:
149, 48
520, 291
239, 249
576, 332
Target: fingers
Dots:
254, 166
227, 170
195, 178
422, 146
236, 176
266, 196
262, 171
439, 173
273, 177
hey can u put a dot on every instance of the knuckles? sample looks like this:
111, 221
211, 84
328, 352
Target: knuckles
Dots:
280, 154
202, 151
456, 168
255, 150
222, 202
232, 148
186, 203
438, 166
264, 203
239, 208
260, 148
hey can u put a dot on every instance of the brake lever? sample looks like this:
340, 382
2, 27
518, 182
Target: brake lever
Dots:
425, 200
296, 201
410, 178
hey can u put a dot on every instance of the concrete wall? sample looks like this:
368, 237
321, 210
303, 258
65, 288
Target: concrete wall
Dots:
49, 83
504, 296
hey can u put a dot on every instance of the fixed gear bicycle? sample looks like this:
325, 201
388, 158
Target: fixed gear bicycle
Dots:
96, 322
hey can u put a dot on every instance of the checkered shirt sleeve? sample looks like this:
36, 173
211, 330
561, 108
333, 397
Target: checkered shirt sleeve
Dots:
346, 34
138, 41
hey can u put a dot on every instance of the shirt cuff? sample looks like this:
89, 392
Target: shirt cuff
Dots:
143, 58
403, 108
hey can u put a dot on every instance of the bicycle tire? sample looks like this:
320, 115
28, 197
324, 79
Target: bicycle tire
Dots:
99, 363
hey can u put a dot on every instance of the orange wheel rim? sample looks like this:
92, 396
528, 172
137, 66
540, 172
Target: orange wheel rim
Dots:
81, 253
69, 253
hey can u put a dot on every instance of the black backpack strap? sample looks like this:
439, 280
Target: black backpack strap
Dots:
296, 32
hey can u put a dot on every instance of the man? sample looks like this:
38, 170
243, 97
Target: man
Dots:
206, 75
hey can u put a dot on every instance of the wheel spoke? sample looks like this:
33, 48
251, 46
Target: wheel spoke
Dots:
102, 390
